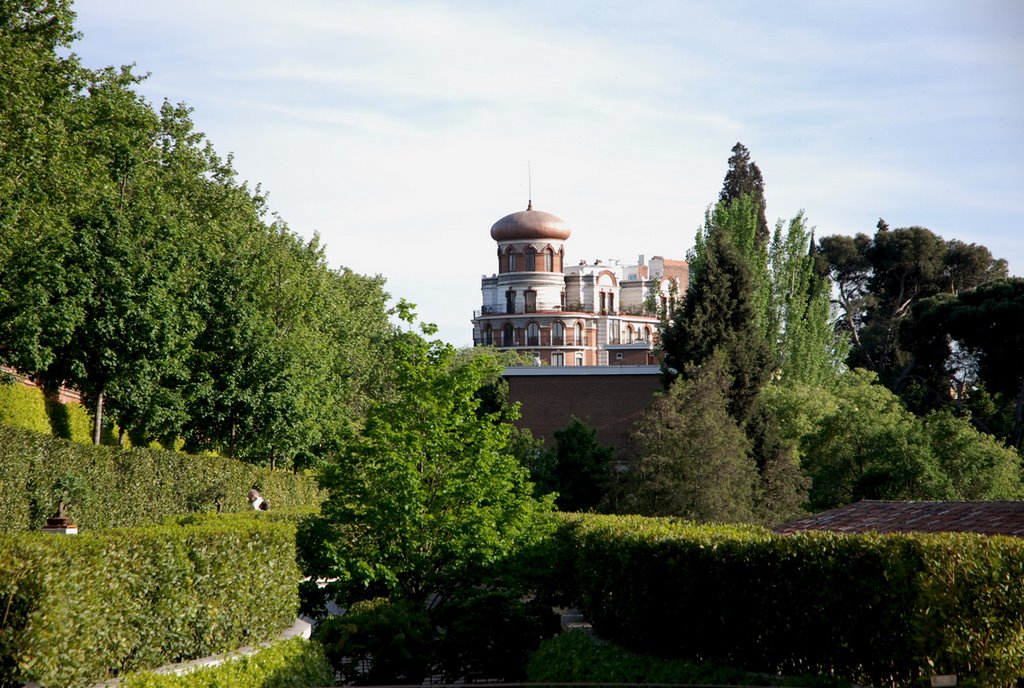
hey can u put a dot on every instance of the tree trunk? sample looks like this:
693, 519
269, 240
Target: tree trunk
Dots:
97, 426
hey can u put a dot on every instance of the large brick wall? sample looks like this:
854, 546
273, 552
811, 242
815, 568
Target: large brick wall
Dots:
607, 398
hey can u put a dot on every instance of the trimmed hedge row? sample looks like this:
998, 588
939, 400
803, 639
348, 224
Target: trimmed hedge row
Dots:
109, 487
80, 609
27, 407
289, 664
879, 609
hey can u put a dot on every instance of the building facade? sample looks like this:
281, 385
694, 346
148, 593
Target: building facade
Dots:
570, 315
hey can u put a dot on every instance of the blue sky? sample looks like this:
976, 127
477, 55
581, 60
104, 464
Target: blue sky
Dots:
401, 131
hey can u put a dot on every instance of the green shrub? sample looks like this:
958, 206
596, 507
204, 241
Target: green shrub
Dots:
378, 642
80, 609
574, 657
128, 487
23, 407
290, 664
880, 609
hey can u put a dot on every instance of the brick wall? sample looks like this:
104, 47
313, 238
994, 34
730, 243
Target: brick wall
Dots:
609, 403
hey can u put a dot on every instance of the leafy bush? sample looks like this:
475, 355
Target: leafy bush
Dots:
378, 642
881, 609
290, 664
84, 608
574, 657
128, 487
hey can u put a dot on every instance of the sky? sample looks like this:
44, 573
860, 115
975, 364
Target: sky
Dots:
401, 131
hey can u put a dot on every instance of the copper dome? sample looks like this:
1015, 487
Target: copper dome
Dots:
528, 225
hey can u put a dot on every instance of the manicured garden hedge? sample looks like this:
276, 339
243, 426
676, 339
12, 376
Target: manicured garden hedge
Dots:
109, 487
79, 609
879, 609
290, 664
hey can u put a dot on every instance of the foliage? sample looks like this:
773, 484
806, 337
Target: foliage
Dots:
291, 663
135, 267
378, 642
800, 318
880, 278
23, 407
970, 343
488, 633
884, 609
857, 441
125, 488
85, 608
744, 179
579, 467
575, 657
725, 310
429, 492
691, 459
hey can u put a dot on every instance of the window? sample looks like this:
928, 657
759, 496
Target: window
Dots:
557, 334
507, 333
618, 355
579, 340
549, 260
531, 301
558, 359
488, 335
611, 303
629, 334
510, 302
579, 359
531, 260
532, 334
511, 261
647, 334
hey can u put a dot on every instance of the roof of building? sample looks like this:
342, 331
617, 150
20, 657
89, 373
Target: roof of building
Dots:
987, 518
528, 225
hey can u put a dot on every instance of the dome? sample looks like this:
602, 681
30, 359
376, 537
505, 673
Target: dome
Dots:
528, 225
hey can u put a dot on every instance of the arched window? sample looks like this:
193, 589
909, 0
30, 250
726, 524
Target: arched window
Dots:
511, 259
507, 335
629, 334
531, 260
533, 334
647, 334
488, 335
549, 260
578, 338
557, 334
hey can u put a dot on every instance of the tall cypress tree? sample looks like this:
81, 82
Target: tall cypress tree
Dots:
744, 179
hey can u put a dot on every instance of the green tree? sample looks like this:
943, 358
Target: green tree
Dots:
870, 447
691, 458
744, 179
800, 319
880, 279
428, 494
581, 467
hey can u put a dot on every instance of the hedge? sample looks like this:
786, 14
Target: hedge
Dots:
292, 663
880, 609
27, 407
84, 608
575, 657
23, 407
109, 487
